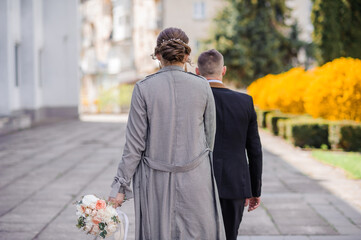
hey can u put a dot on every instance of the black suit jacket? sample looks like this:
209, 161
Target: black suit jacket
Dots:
236, 136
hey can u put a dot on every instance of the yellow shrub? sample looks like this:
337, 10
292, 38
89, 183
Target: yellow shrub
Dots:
284, 91
332, 91
260, 90
335, 92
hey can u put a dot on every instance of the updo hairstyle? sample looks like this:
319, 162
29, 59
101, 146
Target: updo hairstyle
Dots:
172, 45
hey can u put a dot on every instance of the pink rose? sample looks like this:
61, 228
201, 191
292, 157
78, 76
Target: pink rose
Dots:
101, 204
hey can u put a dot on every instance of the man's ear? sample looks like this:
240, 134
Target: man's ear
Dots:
224, 70
197, 71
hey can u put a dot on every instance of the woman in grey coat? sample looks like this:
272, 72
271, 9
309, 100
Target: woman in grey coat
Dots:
169, 138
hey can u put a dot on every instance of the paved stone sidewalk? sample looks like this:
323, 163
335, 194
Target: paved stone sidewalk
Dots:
45, 169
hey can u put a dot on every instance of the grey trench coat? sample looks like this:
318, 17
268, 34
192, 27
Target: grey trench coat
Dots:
169, 139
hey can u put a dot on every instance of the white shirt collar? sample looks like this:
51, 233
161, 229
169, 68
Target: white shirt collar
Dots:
213, 80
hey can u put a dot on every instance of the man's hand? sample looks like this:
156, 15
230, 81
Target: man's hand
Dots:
118, 200
253, 203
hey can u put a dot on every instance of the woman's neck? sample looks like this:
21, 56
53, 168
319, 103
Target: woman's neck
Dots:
179, 64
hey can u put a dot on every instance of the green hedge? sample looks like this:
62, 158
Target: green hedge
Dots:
345, 135
304, 131
272, 120
310, 135
261, 117
351, 138
282, 130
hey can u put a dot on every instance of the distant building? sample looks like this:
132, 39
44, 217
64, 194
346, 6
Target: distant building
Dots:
135, 29
96, 31
38, 61
194, 17
301, 12
118, 37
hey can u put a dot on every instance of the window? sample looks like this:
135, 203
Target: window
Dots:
17, 65
199, 10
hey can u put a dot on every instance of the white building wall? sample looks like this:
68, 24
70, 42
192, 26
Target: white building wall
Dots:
30, 91
46, 33
60, 53
39, 45
10, 36
15, 39
4, 55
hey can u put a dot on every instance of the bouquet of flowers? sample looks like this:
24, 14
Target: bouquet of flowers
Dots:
96, 216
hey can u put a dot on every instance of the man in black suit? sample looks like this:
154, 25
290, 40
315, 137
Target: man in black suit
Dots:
238, 180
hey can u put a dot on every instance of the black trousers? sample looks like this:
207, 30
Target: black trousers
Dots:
232, 211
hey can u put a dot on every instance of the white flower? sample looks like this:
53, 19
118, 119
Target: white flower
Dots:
88, 211
111, 211
79, 211
89, 199
107, 213
88, 219
102, 214
111, 228
94, 212
87, 227
93, 205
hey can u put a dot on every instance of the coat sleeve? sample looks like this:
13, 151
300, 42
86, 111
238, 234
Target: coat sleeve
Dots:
136, 134
210, 119
254, 153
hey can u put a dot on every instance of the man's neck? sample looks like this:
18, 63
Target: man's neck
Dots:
214, 78
215, 83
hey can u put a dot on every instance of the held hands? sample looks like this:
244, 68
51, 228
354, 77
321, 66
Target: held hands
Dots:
118, 200
253, 203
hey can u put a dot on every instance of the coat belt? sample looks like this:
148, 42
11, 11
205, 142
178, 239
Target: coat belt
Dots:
166, 167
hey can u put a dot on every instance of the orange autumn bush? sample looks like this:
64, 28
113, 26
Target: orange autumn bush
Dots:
335, 92
332, 91
284, 91
260, 89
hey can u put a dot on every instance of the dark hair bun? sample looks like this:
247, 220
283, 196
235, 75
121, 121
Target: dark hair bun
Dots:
172, 45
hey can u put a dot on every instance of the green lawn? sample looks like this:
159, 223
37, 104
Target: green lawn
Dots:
350, 162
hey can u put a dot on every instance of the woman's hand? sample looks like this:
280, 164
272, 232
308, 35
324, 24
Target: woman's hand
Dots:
118, 200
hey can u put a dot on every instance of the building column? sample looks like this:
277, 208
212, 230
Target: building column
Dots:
10, 65
4, 65
31, 22
60, 55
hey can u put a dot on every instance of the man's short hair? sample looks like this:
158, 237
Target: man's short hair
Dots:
210, 63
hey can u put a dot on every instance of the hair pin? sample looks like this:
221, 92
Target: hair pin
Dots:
173, 39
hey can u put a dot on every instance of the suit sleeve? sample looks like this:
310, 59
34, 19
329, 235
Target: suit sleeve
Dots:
210, 119
136, 134
254, 153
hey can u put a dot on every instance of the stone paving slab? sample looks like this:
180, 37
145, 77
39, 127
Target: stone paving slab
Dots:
45, 169
298, 238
